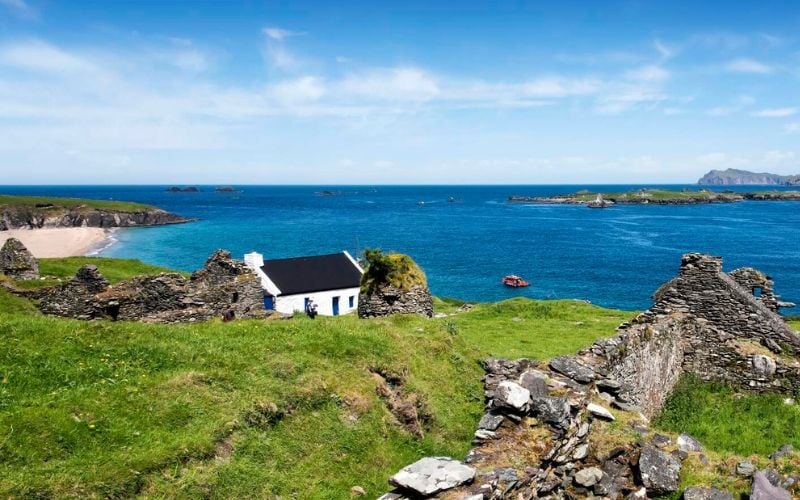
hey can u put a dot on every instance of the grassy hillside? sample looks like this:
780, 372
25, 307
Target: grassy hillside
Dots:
45, 201
248, 408
262, 408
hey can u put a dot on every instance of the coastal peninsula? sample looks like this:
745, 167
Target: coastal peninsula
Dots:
733, 176
63, 227
659, 197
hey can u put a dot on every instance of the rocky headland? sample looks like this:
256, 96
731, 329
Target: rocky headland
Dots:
736, 177
25, 212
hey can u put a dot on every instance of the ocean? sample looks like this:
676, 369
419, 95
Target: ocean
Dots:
615, 257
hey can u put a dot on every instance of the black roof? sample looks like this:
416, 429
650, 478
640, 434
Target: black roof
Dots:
312, 274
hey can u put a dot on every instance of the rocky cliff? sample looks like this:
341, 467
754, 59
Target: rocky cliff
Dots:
35, 217
734, 176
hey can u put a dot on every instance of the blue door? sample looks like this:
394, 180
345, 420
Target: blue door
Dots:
269, 302
336, 306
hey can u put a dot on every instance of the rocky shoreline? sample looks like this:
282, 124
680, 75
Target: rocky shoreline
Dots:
658, 197
34, 217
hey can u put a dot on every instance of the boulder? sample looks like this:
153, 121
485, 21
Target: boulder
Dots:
432, 475
552, 410
745, 468
659, 471
17, 262
782, 452
512, 395
702, 493
565, 365
761, 489
588, 477
686, 442
764, 365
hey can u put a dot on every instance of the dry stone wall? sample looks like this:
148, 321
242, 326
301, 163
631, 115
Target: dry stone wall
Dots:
385, 299
542, 432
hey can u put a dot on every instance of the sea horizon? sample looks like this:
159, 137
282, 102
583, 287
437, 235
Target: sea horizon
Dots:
614, 258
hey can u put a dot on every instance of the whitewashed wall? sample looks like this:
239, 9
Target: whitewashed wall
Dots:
294, 303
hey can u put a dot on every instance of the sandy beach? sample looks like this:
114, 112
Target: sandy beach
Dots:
60, 242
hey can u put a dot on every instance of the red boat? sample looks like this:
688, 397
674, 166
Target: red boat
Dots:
514, 281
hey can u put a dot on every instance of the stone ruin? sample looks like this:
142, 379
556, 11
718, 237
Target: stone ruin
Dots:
547, 425
221, 286
17, 262
385, 299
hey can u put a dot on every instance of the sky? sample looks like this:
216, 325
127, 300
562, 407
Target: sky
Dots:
274, 92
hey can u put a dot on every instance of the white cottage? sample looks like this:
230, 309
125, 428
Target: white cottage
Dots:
331, 281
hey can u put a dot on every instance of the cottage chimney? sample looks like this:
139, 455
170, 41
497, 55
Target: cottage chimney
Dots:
254, 260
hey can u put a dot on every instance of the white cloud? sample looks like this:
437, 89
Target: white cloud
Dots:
745, 65
554, 86
792, 128
401, 84
304, 89
664, 50
650, 73
280, 33
40, 56
775, 112
773, 158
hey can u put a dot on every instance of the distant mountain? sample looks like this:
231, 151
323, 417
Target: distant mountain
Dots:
734, 176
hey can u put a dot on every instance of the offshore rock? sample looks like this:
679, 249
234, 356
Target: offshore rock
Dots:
17, 262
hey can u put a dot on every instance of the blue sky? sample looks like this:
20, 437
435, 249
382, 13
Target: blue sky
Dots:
382, 92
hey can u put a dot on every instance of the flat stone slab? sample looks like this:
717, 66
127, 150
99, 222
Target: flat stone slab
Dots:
512, 395
660, 471
432, 475
565, 365
599, 412
701, 493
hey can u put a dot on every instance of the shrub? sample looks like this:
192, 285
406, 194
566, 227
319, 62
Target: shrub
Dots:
396, 269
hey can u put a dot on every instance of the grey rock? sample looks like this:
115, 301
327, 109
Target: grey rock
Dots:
511, 395
565, 365
432, 475
490, 421
599, 412
745, 468
393, 495
608, 385
581, 452
773, 477
534, 382
782, 452
702, 493
659, 471
17, 262
761, 489
552, 410
686, 442
588, 477
764, 365
660, 440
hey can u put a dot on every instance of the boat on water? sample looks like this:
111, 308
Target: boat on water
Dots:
514, 281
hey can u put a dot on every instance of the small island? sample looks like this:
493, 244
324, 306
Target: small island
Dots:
658, 197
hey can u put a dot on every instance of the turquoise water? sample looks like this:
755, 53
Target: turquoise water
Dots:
615, 257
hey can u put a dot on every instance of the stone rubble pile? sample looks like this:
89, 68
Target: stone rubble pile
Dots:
222, 285
17, 262
385, 299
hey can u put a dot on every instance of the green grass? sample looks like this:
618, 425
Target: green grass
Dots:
125, 409
730, 422
32, 201
56, 270
539, 329
655, 195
